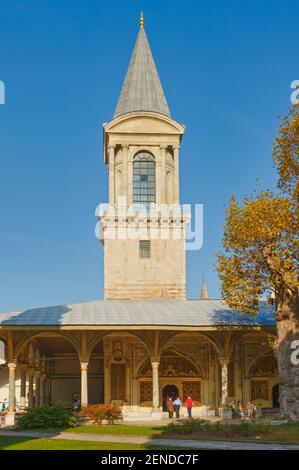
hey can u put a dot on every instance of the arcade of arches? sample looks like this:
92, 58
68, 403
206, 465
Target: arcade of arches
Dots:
139, 369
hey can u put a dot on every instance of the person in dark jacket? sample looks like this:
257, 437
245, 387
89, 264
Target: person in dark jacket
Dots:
170, 407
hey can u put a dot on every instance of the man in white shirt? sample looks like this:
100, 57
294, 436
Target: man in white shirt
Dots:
177, 405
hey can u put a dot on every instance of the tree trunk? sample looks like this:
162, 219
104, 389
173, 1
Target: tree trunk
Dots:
288, 358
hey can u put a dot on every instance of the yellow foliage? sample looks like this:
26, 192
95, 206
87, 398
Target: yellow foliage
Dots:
260, 238
286, 154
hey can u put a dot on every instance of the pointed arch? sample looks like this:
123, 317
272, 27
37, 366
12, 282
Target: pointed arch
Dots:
209, 336
263, 365
179, 354
101, 335
33, 334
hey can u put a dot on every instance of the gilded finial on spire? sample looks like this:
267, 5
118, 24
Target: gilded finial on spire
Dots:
141, 20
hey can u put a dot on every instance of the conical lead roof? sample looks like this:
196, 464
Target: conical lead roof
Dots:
142, 89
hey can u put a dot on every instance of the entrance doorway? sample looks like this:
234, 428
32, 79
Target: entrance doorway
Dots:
275, 396
169, 391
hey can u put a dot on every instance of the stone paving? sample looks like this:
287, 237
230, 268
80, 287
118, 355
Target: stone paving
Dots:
190, 444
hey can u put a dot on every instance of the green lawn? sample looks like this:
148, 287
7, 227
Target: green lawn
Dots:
287, 433
283, 434
119, 429
26, 443
126, 430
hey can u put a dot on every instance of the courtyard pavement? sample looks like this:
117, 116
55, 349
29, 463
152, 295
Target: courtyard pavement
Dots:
179, 443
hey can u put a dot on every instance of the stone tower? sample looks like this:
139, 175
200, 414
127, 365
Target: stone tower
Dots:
144, 255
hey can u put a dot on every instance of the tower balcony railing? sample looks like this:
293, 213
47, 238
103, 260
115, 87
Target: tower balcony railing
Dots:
144, 211
151, 221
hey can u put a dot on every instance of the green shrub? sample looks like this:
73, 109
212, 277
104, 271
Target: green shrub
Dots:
97, 413
46, 417
228, 430
186, 428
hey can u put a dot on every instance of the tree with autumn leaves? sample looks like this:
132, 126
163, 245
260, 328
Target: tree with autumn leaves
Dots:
260, 257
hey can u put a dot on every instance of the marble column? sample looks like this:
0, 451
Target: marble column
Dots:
11, 392
37, 387
42, 388
163, 174
111, 150
238, 386
130, 180
84, 384
224, 381
125, 150
216, 385
23, 386
176, 151
128, 382
106, 378
155, 378
158, 182
30, 387
134, 392
47, 390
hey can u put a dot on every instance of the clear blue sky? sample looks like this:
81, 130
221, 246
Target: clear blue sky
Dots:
226, 68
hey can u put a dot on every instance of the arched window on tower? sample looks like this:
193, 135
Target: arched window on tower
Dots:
144, 178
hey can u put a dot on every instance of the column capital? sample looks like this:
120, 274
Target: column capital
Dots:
176, 147
223, 361
155, 364
84, 358
125, 146
84, 365
163, 146
111, 146
12, 365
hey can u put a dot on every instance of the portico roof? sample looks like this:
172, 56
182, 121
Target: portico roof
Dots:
166, 312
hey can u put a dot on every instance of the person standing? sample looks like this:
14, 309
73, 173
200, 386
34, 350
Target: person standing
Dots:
189, 405
239, 410
253, 411
250, 408
170, 407
76, 405
177, 406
